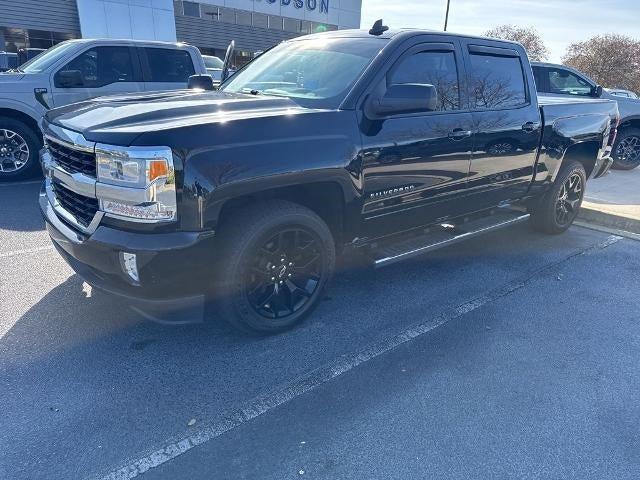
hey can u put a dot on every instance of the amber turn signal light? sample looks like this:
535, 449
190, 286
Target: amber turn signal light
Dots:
158, 169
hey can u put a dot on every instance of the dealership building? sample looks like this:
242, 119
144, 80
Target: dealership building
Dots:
255, 25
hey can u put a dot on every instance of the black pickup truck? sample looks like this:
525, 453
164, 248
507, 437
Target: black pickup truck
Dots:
390, 143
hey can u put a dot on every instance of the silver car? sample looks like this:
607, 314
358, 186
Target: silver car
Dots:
214, 67
621, 93
563, 81
74, 71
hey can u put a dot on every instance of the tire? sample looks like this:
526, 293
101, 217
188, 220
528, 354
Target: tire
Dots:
560, 205
626, 151
276, 260
19, 148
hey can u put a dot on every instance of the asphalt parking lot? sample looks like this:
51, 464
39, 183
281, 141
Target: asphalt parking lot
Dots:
514, 355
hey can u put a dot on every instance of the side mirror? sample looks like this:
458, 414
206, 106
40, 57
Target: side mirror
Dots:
202, 82
404, 98
596, 91
69, 79
228, 60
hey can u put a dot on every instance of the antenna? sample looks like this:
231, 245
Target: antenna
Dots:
446, 18
378, 28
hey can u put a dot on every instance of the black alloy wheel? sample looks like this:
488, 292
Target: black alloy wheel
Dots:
626, 154
284, 273
569, 200
558, 208
276, 258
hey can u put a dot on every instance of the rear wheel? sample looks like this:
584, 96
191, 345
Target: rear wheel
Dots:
626, 151
560, 205
276, 261
19, 147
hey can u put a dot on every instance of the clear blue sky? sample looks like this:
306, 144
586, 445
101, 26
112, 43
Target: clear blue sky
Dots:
560, 22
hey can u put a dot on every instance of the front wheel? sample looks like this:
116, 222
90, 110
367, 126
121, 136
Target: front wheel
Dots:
276, 260
626, 151
19, 146
560, 206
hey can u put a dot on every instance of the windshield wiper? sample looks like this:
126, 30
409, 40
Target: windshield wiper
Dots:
252, 91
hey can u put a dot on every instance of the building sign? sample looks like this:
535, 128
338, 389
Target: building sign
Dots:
311, 5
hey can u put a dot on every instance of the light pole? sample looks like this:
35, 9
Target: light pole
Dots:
446, 18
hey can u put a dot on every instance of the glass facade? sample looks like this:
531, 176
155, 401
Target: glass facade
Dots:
244, 17
234, 16
12, 39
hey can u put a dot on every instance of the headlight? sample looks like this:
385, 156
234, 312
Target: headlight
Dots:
136, 183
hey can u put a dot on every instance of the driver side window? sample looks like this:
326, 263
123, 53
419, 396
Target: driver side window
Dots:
431, 68
566, 83
102, 66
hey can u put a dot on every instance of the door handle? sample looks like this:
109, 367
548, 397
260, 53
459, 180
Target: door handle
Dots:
459, 134
530, 127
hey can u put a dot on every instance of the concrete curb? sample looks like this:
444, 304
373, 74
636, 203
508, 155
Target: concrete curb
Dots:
598, 217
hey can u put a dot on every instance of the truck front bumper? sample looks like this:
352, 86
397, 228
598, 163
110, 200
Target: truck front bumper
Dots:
173, 269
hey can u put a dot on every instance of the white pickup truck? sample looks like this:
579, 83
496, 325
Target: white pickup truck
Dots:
74, 71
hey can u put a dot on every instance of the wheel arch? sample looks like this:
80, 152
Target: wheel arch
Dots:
629, 122
584, 152
326, 199
23, 117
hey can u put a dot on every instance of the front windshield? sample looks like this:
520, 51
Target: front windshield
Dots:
315, 73
212, 62
47, 58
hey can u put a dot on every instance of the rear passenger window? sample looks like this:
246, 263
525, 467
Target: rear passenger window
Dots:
169, 66
432, 68
497, 82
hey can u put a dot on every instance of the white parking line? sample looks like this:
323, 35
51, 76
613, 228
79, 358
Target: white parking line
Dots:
287, 392
26, 251
614, 231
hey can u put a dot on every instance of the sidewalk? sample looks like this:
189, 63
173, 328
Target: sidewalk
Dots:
614, 201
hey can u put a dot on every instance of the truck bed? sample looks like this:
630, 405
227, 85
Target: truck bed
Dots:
555, 109
563, 100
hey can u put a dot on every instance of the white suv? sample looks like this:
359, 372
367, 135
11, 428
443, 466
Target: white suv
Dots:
74, 71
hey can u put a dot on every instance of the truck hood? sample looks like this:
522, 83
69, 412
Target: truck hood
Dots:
17, 82
125, 117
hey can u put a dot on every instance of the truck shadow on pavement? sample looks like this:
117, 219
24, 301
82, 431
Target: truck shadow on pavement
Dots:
106, 370
19, 208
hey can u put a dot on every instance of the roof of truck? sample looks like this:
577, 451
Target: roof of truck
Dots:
391, 33
127, 40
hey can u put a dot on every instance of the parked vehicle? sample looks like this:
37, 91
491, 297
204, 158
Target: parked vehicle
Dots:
8, 60
76, 70
26, 54
560, 80
621, 93
214, 67
388, 143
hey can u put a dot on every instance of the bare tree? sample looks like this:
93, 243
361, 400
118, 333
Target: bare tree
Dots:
612, 60
527, 36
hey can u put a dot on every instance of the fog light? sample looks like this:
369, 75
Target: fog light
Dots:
130, 265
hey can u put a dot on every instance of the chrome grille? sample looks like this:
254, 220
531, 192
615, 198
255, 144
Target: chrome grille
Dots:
72, 160
81, 207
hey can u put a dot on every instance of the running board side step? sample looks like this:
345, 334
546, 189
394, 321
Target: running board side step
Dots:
444, 236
